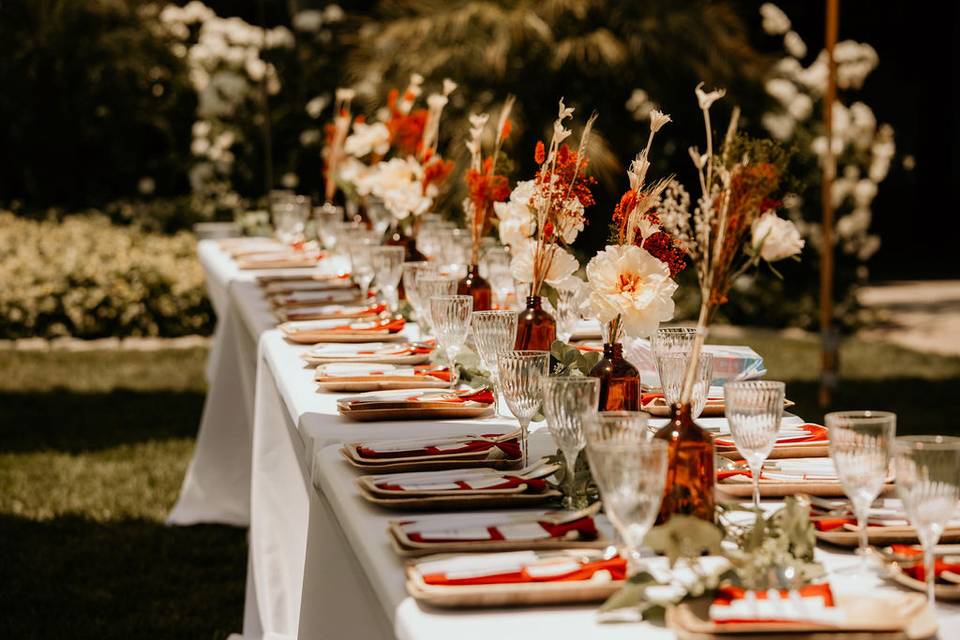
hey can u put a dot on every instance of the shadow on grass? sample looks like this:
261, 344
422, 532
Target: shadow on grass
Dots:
922, 406
74, 578
72, 422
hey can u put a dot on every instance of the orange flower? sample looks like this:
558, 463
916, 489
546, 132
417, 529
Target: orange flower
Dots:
507, 128
539, 153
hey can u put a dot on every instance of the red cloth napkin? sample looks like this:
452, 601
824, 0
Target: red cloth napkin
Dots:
585, 527
728, 593
815, 433
918, 571
483, 396
616, 566
510, 447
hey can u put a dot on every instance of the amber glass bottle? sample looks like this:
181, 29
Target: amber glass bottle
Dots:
474, 285
400, 239
690, 475
619, 380
536, 329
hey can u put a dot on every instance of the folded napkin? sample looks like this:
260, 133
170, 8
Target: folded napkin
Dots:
426, 396
365, 370
715, 394
579, 529
789, 435
813, 603
791, 470
310, 298
333, 311
338, 326
386, 451
517, 568
918, 570
489, 482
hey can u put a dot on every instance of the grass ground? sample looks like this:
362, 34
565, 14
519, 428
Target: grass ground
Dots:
93, 447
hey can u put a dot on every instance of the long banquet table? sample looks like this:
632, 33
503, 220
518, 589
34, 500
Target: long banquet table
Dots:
320, 563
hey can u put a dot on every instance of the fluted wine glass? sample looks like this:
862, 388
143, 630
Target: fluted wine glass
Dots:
567, 313
410, 271
754, 409
630, 474
451, 315
430, 285
360, 249
624, 426
494, 332
388, 268
861, 444
672, 368
568, 401
928, 483
673, 340
521, 375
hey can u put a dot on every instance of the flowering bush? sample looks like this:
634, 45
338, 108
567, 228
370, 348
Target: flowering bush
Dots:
87, 278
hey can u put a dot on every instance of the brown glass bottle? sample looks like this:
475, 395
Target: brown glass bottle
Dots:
399, 239
690, 476
474, 285
536, 329
619, 380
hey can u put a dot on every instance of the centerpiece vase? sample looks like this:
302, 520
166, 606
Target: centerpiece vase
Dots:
691, 481
536, 329
619, 380
477, 287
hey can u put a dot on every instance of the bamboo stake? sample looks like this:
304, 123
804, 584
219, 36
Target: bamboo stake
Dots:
829, 354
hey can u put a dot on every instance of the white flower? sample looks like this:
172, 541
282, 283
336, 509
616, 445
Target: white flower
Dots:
146, 185
864, 192
647, 227
561, 267
775, 238
794, 44
780, 125
437, 101
398, 182
570, 222
516, 221
345, 94
310, 21
775, 21
781, 89
289, 180
449, 86
367, 138
316, 106
658, 119
628, 281
309, 137
706, 99
800, 107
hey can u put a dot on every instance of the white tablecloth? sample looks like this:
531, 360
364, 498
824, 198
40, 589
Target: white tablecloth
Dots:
320, 564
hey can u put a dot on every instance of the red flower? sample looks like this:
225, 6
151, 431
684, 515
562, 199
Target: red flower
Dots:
663, 247
505, 131
436, 171
406, 130
621, 214
539, 154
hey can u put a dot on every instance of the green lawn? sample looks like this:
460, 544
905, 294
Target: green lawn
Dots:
93, 447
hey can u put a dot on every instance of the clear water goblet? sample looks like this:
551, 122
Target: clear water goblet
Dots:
672, 368
673, 340
451, 316
521, 376
569, 401
567, 312
754, 409
410, 271
494, 332
861, 446
429, 286
359, 248
927, 472
388, 268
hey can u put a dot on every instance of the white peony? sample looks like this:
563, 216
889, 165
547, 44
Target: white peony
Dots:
561, 267
516, 221
627, 281
775, 238
367, 138
399, 183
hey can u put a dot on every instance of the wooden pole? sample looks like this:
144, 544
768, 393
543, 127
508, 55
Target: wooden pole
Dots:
829, 353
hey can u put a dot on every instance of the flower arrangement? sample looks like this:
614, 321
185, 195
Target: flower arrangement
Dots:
631, 280
410, 179
545, 214
734, 226
485, 187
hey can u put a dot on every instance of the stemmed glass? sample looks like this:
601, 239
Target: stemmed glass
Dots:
754, 409
630, 474
387, 266
430, 285
290, 219
410, 271
494, 332
673, 340
521, 374
567, 313
672, 367
625, 426
567, 402
380, 217
498, 273
359, 249
928, 484
861, 443
451, 316
327, 217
